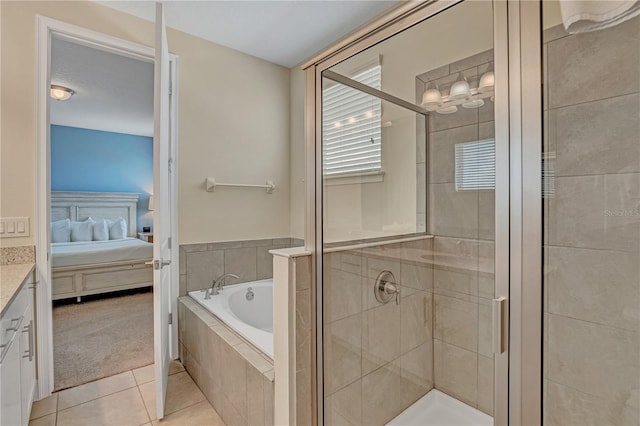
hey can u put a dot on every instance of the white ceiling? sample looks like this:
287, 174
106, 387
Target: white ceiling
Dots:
115, 93
112, 92
282, 32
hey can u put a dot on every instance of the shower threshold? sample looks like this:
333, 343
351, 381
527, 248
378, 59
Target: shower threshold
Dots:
439, 409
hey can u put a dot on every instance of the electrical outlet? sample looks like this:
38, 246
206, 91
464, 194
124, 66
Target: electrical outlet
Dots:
14, 227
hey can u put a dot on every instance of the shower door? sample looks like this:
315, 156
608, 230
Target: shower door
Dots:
412, 212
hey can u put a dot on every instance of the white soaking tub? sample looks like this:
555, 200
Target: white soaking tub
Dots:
252, 319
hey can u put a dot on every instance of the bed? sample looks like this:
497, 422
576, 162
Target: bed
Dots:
94, 267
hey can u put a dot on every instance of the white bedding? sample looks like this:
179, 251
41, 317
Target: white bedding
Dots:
95, 252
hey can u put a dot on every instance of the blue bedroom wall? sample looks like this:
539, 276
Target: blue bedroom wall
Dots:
93, 160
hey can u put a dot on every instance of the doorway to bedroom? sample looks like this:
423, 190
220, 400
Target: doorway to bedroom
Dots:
101, 109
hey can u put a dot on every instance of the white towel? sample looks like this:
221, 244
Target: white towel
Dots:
581, 16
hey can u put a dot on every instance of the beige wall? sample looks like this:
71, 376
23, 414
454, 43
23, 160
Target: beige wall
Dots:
297, 159
233, 124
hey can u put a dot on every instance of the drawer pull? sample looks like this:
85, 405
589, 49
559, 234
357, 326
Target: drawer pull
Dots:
29, 352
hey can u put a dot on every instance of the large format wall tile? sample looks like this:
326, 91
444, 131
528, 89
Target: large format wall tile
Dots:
594, 65
383, 396
381, 336
565, 406
589, 138
622, 212
595, 285
442, 151
417, 372
456, 372
456, 322
576, 214
416, 315
452, 213
599, 360
342, 352
242, 262
342, 294
345, 406
203, 267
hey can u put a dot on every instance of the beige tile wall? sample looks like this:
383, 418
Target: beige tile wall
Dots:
462, 223
304, 370
378, 358
202, 263
237, 379
592, 227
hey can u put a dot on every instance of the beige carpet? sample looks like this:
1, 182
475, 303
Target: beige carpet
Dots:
102, 336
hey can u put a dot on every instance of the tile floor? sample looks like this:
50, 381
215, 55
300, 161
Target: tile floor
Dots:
127, 399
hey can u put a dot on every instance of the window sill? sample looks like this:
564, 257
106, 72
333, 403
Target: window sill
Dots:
354, 178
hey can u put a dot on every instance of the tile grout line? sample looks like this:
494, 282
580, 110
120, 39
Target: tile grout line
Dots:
146, 409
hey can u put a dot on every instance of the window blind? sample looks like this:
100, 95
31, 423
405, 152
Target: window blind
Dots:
351, 126
475, 165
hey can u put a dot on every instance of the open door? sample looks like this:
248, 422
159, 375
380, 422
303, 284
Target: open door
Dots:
161, 215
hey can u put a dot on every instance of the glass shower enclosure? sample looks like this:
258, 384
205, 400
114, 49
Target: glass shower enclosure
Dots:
477, 225
408, 231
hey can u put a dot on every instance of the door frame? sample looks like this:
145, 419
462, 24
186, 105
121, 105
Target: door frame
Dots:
45, 29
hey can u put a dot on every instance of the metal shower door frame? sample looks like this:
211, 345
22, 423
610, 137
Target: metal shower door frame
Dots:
518, 215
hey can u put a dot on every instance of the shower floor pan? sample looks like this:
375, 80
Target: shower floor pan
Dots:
439, 409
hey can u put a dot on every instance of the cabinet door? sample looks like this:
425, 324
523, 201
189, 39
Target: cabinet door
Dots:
10, 395
28, 362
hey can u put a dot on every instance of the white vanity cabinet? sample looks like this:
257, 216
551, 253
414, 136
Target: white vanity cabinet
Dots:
17, 356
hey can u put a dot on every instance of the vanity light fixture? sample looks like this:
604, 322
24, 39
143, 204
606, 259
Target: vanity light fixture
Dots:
460, 94
60, 93
487, 82
460, 89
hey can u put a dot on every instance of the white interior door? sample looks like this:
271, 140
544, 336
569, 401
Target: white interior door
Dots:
161, 216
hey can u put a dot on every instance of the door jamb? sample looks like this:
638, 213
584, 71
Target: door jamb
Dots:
45, 28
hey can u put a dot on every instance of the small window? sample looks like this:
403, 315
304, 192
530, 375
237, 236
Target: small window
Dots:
476, 165
351, 126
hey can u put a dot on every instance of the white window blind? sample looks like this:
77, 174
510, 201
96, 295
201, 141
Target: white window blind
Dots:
351, 126
476, 165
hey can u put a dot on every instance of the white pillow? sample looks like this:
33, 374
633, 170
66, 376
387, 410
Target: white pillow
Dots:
117, 229
100, 230
61, 231
82, 231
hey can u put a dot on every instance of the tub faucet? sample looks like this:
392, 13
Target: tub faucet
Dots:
217, 285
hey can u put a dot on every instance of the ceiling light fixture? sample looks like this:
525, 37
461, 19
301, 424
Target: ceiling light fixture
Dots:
60, 93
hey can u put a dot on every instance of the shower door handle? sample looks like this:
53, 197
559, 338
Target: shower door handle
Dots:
499, 319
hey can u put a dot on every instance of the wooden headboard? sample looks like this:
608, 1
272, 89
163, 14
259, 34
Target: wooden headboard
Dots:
78, 206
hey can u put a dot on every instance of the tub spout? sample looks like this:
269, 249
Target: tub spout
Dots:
217, 285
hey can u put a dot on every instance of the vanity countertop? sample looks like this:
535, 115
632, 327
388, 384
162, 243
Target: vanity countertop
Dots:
11, 278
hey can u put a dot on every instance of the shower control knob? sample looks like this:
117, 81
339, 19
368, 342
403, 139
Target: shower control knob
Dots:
385, 288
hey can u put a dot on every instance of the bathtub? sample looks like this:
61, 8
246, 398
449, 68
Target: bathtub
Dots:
252, 319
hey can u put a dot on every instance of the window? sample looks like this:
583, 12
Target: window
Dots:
351, 126
476, 165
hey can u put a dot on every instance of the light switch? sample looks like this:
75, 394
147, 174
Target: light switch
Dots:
13, 227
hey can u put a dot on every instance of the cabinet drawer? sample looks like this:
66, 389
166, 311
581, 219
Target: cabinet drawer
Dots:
12, 318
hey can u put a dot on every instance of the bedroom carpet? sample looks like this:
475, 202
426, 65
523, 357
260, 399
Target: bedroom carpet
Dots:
102, 336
